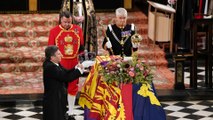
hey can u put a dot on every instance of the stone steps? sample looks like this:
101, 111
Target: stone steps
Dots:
30, 52
32, 20
28, 20
16, 42
22, 54
44, 31
20, 67
24, 32
21, 83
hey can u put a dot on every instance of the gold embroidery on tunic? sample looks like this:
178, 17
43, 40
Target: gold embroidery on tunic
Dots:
68, 49
68, 38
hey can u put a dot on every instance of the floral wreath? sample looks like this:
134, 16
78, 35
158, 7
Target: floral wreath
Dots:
118, 70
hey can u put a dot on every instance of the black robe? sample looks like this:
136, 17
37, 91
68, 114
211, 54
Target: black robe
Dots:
55, 93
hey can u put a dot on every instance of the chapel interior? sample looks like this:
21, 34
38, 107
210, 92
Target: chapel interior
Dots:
177, 43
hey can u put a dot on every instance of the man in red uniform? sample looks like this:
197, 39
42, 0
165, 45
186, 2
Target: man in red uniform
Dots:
69, 39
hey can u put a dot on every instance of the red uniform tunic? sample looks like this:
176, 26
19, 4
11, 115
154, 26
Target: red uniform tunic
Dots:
68, 42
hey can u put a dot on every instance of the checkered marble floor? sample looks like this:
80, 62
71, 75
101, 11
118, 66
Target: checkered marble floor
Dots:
175, 110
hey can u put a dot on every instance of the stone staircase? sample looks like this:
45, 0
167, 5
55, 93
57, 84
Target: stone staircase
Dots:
23, 38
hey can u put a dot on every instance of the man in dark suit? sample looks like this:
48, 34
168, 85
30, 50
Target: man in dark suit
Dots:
54, 78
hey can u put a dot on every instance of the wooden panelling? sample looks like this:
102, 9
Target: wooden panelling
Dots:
32, 5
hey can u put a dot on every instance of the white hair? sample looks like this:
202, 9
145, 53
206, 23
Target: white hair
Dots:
121, 12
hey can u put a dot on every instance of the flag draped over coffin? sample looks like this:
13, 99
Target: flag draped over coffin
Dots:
108, 102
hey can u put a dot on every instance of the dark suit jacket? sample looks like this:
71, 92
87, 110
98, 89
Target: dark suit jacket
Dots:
54, 101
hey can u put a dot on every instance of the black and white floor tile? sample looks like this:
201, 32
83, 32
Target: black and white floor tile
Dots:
189, 110
30, 112
175, 110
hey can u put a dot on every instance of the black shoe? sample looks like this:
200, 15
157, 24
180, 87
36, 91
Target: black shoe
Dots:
71, 117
